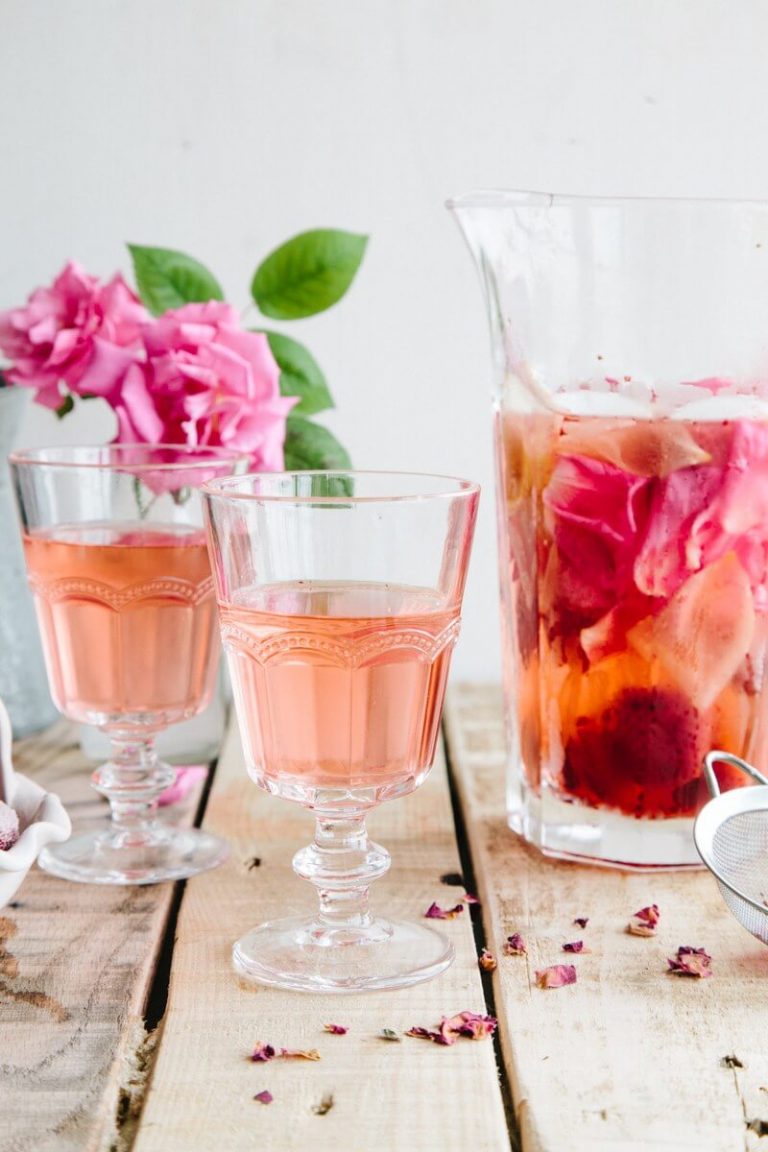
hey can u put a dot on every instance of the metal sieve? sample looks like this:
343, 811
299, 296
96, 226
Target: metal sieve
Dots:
731, 835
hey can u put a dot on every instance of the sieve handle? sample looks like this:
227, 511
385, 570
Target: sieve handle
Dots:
712, 758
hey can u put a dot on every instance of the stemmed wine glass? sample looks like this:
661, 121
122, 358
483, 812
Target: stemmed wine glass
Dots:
118, 564
339, 598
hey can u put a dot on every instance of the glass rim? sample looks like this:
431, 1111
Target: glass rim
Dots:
225, 488
533, 199
64, 456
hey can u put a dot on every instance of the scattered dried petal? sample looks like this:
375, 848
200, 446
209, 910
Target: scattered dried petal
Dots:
435, 912
574, 946
470, 899
453, 879
471, 1024
487, 961
299, 1054
389, 1034
760, 1127
515, 945
581, 921
324, 1106
691, 962
336, 1029
557, 976
262, 1052
264, 1097
731, 1062
644, 922
253, 862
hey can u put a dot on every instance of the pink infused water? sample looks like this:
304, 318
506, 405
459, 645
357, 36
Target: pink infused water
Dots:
339, 686
127, 615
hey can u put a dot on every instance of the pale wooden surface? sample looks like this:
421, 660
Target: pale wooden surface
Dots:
411, 1096
629, 1058
76, 962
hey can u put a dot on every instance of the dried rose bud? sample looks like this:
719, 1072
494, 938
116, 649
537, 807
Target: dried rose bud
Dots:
262, 1052
574, 946
581, 921
299, 1054
336, 1029
557, 976
644, 922
515, 945
487, 961
264, 1097
691, 962
435, 912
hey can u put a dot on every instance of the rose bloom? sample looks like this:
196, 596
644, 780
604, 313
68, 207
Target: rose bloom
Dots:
78, 332
206, 382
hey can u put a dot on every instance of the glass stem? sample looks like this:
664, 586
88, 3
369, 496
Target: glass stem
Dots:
132, 779
342, 863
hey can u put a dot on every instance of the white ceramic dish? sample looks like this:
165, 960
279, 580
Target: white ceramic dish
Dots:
42, 818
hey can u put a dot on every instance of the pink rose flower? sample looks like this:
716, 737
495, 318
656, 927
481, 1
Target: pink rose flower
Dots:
206, 382
78, 332
598, 514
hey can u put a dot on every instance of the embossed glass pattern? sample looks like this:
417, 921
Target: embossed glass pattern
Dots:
118, 564
339, 597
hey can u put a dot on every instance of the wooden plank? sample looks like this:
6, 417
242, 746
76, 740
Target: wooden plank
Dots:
411, 1096
629, 1058
76, 962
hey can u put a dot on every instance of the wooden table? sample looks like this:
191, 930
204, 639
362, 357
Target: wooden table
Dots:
123, 1027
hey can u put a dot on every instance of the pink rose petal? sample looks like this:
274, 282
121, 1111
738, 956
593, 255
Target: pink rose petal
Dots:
556, 976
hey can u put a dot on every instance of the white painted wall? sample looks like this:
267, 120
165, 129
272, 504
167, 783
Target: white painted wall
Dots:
223, 126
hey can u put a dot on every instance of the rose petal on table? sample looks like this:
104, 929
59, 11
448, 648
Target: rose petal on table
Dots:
574, 946
264, 1097
581, 921
556, 976
689, 961
515, 945
487, 961
644, 922
262, 1052
336, 1029
435, 912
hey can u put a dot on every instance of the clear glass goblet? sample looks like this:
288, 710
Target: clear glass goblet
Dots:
339, 598
118, 564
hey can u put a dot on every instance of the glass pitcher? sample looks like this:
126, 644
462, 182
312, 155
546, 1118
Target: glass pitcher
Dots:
630, 342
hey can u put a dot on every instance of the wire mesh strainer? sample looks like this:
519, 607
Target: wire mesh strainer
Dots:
731, 835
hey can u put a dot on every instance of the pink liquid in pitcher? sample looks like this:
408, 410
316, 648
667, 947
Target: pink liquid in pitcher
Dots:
339, 686
638, 554
127, 616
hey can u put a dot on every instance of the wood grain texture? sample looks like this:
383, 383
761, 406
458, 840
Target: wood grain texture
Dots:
411, 1096
629, 1058
76, 962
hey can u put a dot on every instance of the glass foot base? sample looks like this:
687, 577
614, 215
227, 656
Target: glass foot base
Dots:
309, 957
102, 858
571, 831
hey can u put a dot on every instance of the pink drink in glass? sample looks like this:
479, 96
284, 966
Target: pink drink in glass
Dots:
638, 553
128, 621
339, 686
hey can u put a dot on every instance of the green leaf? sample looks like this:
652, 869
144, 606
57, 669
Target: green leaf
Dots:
300, 375
310, 446
66, 406
308, 273
167, 279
